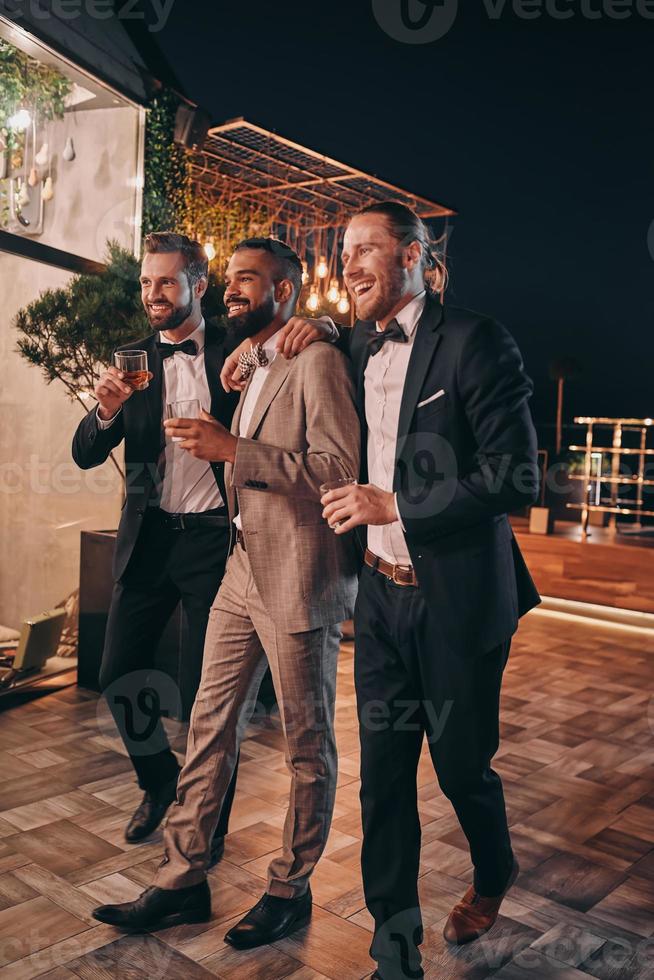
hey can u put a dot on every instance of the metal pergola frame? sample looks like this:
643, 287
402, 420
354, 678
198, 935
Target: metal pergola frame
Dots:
294, 185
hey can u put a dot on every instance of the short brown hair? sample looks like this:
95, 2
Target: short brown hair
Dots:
196, 263
408, 227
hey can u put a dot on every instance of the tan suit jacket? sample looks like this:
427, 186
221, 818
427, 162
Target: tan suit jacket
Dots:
304, 431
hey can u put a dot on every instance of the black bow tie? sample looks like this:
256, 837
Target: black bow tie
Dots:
392, 332
186, 347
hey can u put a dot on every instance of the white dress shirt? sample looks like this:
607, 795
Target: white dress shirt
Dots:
252, 394
189, 485
384, 380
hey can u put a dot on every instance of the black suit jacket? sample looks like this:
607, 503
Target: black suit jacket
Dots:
140, 423
463, 462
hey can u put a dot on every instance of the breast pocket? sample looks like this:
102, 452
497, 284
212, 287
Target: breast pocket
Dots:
431, 408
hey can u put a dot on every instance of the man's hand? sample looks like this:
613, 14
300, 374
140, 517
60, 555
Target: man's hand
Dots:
230, 376
205, 438
297, 334
358, 504
112, 392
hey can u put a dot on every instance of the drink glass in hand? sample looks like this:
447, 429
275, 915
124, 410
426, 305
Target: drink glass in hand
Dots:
189, 409
134, 365
336, 485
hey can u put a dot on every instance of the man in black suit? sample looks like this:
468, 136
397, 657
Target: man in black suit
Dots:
173, 537
449, 450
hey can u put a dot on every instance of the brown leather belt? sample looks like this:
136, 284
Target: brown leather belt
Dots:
240, 539
399, 574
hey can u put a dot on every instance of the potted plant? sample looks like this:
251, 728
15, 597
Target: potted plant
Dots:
71, 333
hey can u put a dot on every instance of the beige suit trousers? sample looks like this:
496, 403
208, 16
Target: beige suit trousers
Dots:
241, 641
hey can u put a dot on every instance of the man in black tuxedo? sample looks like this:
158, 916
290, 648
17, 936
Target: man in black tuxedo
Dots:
174, 533
449, 450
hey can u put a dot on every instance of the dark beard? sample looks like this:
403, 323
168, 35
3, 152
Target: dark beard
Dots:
174, 319
246, 325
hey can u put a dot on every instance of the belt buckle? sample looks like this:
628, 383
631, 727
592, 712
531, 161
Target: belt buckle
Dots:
182, 523
400, 568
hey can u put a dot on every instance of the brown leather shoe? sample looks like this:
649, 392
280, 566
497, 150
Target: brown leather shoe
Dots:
475, 914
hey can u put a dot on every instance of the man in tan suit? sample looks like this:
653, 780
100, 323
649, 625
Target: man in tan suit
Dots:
289, 583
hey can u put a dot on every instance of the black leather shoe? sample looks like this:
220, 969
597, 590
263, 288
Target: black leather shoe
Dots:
270, 920
159, 908
217, 851
150, 812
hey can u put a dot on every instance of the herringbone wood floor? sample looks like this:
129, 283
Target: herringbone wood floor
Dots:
576, 757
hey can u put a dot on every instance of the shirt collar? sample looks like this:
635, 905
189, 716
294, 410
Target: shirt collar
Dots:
409, 316
198, 336
270, 346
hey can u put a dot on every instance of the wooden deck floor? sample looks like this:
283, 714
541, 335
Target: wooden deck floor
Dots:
577, 759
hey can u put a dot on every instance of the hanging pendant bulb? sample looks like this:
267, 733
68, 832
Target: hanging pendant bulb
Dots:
20, 120
305, 274
41, 157
333, 293
313, 301
210, 250
69, 150
343, 303
33, 178
23, 198
322, 269
48, 190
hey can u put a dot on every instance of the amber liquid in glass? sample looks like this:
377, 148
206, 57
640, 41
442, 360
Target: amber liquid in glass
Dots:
138, 380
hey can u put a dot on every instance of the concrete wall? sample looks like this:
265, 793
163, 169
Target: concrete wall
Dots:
45, 501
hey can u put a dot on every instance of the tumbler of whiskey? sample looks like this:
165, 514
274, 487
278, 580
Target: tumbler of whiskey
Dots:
134, 365
336, 485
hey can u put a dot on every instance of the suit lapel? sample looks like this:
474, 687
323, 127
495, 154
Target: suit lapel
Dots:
236, 421
214, 358
275, 378
426, 341
360, 355
213, 366
154, 392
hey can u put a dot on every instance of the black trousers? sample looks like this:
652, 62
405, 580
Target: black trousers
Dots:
166, 567
408, 689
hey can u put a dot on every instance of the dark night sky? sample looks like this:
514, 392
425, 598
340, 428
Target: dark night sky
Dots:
538, 132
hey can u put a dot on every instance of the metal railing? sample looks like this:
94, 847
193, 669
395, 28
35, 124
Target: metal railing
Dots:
594, 477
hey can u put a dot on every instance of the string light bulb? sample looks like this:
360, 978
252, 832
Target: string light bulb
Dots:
305, 273
313, 302
322, 269
20, 120
343, 303
210, 251
333, 293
